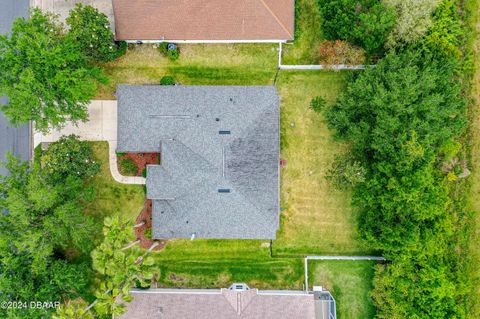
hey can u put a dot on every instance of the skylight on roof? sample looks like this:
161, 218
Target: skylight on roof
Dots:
224, 132
224, 190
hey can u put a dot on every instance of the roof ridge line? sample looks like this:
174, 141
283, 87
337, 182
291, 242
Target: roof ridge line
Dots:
276, 18
253, 124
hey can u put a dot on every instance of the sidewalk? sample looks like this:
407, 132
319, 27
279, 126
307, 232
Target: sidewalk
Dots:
102, 126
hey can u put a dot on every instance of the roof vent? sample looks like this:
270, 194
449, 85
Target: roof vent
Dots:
217, 119
239, 287
224, 132
224, 190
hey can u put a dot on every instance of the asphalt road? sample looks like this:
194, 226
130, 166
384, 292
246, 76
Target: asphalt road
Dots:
15, 140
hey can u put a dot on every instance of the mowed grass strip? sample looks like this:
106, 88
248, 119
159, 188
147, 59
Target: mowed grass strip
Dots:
350, 283
199, 64
219, 263
316, 217
308, 34
112, 198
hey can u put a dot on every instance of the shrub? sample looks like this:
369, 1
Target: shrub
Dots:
450, 149
167, 80
163, 48
167, 51
128, 167
91, 29
346, 172
69, 156
362, 22
338, 18
339, 52
444, 37
318, 104
414, 18
373, 27
173, 55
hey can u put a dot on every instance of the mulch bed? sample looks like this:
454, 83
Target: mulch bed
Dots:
141, 159
146, 216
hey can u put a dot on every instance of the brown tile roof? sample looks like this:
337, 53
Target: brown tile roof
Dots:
204, 19
222, 304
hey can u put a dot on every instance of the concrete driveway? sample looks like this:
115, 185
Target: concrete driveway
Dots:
63, 7
101, 126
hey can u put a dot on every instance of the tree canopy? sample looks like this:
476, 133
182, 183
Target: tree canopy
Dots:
120, 266
91, 30
401, 118
362, 22
414, 18
45, 239
44, 73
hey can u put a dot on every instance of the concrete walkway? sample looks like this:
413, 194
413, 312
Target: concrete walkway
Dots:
102, 126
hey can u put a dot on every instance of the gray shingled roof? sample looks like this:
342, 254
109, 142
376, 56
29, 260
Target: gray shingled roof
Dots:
184, 124
14, 140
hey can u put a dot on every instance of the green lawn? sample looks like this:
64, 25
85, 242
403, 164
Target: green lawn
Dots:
219, 263
316, 218
112, 198
350, 283
234, 64
308, 34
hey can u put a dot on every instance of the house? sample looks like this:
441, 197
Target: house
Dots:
204, 21
238, 301
219, 165
16, 140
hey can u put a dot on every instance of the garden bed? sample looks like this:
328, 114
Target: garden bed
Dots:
141, 232
134, 164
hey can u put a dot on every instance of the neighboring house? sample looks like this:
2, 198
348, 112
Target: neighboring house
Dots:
220, 149
238, 301
14, 140
204, 21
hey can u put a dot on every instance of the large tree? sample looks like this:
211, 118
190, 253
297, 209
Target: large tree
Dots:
120, 266
414, 18
401, 118
45, 238
362, 22
91, 29
44, 73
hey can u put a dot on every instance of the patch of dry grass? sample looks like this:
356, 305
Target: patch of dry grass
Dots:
475, 178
